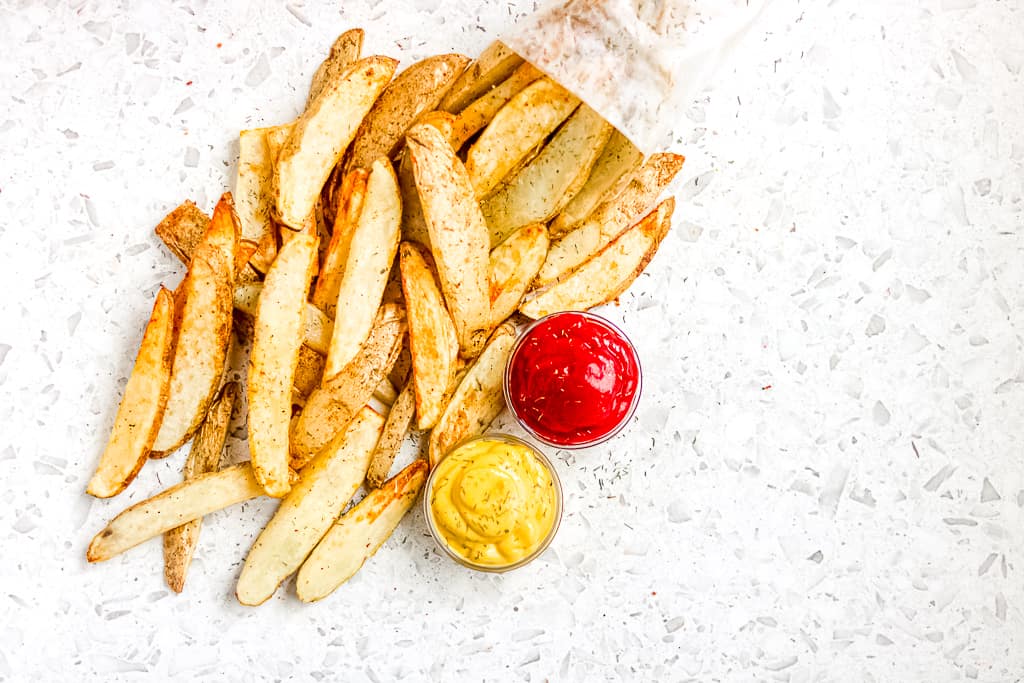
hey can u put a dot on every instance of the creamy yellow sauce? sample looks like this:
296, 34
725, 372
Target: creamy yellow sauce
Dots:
493, 502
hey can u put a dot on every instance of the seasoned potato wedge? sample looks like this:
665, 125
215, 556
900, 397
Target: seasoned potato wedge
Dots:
618, 160
610, 272
325, 486
142, 405
395, 429
518, 127
254, 199
514, 263
414, 225
414, 91
432, 339
611, 218
348, 209
173, 507
322, 134
478, 398
345, 50
359, 534
477, 115
316, 327
273, 359
182, 228
180, 542
458, 234
493, 66
203, 329
372, 248
550, 181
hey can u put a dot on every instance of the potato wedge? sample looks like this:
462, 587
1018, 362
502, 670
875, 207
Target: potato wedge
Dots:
182, 228
345, 50
372, 249
142, 405
253, 197
173, 507
275, 354
203, 329
414, 225
357, 536
276, 136
608, 273
493, 66
518, 127
325, 486
349, 208
514, 264
432, 339
478, 398
395, 428
617, 162
180, 542
550, 181
316, 327
322, 134
477, 115
458, 234
331, 406
611, 218
414, 91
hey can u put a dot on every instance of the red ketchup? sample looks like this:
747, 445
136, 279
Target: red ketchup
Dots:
573, 379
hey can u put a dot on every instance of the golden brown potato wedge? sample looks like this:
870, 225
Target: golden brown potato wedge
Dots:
478, 398
395, 429
344, 52
414, 91
608, 273
349, 208
458, 234
617, 162
275, 354
182, 228
432, 339
518, 127
330, 407
359, 534
316, 326
550, 181
493, 66
611, 218
514, 264
414, 225
180, 542
254, 199
173, 507
372, 248
203, 329
477, 115
142, 405
322, 134
325, 486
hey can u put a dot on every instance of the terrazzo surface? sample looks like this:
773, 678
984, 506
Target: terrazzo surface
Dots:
824, 480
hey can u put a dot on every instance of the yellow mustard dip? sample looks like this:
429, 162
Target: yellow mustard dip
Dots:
493, 502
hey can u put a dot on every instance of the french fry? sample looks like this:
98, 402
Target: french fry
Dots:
477, 115
316, 327
203, 330
414, 91
478, 398
372, 249
253, 199
344, 52
608, 273
357, 536
277, 341
458, 234
182, 228
414, 225
493, 66
518, 127
142, 406
180, 542
547, 183
432, 338
346, 217
395, 428
173, 507
325, 485
617, 162
611, 218
321, 135
514, 263
331, 406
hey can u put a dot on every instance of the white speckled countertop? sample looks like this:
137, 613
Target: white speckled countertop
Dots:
825, 477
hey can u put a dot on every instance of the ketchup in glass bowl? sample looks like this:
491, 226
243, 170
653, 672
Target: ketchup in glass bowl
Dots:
573, 379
